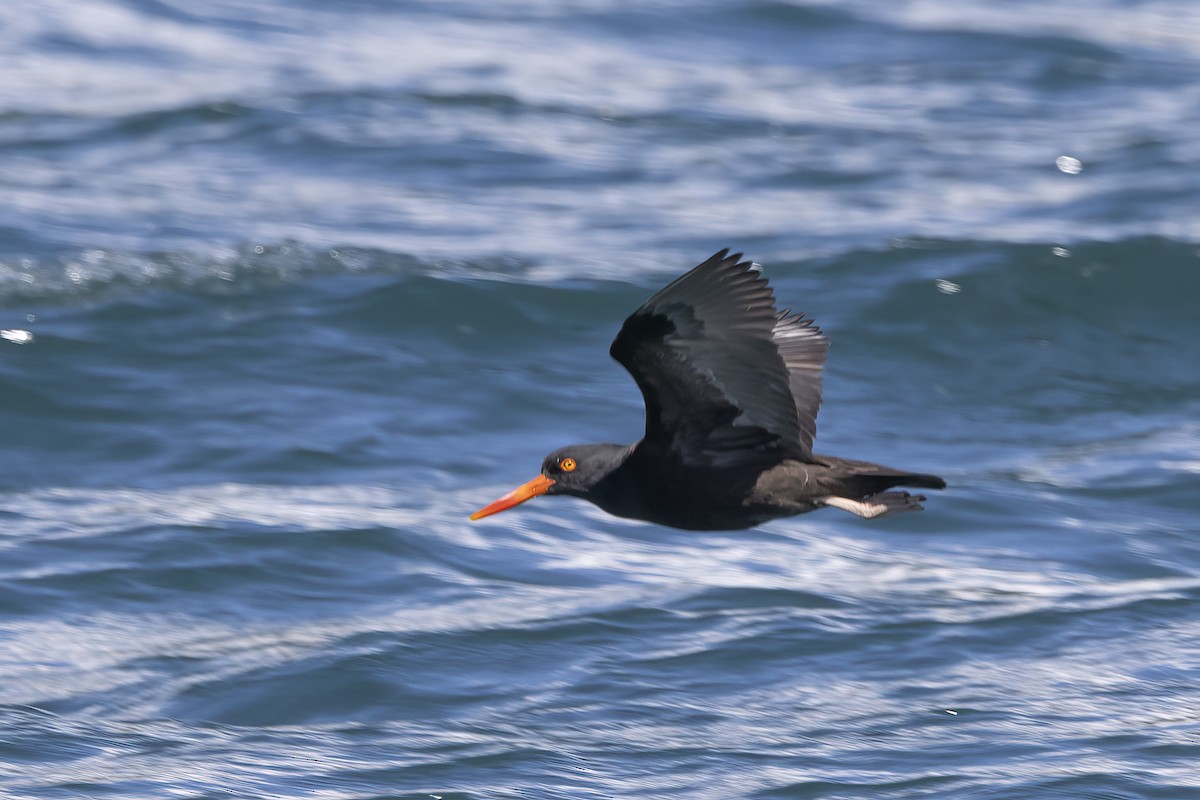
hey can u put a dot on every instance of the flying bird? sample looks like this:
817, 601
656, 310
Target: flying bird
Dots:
732, 387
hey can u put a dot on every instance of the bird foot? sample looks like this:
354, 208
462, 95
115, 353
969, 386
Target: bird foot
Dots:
877, 505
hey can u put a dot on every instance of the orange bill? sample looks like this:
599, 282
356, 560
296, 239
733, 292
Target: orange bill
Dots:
525, 491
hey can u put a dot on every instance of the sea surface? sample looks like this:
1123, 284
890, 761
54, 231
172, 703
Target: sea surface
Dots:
289, 289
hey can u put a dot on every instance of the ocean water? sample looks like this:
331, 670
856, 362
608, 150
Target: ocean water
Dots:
287, 290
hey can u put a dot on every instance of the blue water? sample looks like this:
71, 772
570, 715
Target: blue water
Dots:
287, 290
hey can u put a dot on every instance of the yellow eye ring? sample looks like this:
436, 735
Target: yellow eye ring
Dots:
567, 465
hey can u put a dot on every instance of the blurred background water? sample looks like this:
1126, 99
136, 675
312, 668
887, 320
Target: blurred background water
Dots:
287, 290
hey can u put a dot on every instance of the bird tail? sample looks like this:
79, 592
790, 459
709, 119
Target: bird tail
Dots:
915, 479
884, 478
868, 478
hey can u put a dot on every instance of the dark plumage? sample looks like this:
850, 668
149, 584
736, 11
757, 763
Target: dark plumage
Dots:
732, 388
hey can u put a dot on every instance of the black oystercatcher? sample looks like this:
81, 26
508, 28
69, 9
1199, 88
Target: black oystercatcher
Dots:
732, 389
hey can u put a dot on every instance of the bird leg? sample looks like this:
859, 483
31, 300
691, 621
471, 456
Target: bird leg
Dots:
877, 505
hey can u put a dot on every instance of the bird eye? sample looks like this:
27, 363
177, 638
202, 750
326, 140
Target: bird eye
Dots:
567, 465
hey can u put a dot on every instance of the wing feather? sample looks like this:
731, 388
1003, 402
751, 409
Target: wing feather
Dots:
803, 347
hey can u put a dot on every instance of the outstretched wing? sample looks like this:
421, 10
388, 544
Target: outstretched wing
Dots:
712, 358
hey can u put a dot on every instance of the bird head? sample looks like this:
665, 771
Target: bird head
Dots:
575, 470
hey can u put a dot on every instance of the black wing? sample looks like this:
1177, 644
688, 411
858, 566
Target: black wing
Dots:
712, 358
